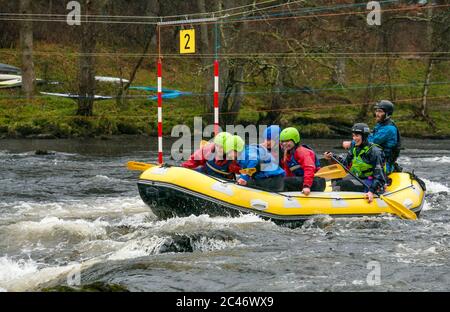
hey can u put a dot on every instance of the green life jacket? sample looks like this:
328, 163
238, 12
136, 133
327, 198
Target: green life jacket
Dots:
359, 167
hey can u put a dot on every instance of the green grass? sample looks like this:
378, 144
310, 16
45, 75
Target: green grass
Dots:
315, 115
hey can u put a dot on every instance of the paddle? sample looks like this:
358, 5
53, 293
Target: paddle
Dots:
331, 172
139, 166
401, 211
248, 171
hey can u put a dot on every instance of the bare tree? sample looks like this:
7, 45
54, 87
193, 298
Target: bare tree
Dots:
438, 36
26, 43
152, 8
87, 63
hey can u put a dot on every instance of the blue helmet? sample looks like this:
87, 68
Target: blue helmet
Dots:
272, 133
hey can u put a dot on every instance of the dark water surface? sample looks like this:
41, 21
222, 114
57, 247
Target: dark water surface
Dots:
78, 209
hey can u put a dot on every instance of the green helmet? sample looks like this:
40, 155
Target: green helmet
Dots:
221, 138
234, 143
290, 134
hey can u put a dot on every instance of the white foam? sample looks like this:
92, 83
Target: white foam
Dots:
426, 206
139, 248
435, 187
32, 280
48, 226
404, 160
440, 159
85, 208
101, 179
210, 244
407, 254
11, 269
147, 246
358, 282
207, 221
27, 275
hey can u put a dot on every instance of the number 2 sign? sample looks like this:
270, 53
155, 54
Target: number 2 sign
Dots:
187, 41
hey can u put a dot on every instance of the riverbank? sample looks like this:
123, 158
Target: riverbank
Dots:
55, 118
106, 127
317, 107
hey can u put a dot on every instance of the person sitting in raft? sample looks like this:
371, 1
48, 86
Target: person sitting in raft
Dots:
365, 161
386, 135
271, 141
211, 159
258, 167
300, 163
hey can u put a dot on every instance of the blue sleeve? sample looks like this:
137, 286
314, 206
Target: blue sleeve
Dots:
251, 161
245, 177
385, 136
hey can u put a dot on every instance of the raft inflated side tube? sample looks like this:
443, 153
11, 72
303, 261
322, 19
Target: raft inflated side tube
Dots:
189, 192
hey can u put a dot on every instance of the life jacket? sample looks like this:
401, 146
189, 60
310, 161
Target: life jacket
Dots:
218, 168
266, 164
359, 167
395, 152
295, 167
390, 153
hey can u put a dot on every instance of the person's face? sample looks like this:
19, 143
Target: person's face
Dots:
287, 145
357, 138
232, 155
219, 149
270, 144
380, 115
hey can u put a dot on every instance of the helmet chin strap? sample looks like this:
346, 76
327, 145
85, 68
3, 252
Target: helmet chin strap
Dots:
386, 117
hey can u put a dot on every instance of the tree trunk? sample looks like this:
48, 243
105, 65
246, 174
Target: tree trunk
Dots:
122, 93
153, 9
368, 96
231, 70
87, 63
26, 43
424, 107
207, 63
234, 94
423, 111
339, 72
274, 115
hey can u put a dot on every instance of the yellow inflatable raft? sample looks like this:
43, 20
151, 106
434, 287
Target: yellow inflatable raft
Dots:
177, 191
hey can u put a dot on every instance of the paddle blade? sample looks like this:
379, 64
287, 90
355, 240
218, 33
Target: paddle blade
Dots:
248, 171
139, 166
331, 172
399, 209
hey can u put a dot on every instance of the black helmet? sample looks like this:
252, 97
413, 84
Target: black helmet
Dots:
361, 128
386, 106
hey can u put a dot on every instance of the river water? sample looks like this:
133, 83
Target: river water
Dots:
76, 215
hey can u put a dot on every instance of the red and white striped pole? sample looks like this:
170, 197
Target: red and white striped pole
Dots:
160, 142
216, 97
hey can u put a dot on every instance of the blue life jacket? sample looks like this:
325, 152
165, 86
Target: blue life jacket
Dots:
296, 168
258, 157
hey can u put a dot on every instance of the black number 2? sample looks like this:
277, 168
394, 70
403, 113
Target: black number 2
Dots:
187, 42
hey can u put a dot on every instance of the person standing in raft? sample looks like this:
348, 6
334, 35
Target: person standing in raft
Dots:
386, 135
365, 161
300, 163
211, 159
258, 167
